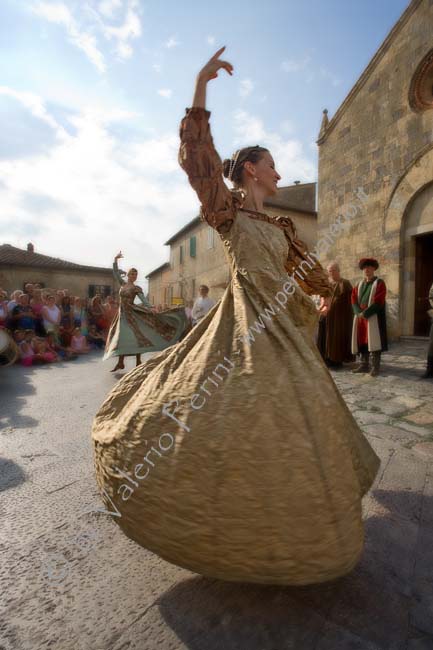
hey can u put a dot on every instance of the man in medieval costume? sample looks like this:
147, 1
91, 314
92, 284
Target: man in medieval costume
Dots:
369, 324
335, 324
429, 370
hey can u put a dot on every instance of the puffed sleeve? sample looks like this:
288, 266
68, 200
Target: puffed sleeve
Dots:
199, 159
306, 270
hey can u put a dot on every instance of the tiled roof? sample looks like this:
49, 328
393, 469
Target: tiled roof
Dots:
10, 255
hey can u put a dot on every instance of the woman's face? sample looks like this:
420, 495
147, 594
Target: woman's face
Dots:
266, 173
132, 275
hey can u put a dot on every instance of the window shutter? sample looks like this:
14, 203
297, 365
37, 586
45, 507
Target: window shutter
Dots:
192, 246
181, 255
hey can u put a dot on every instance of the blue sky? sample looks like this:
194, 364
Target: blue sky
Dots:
91, 94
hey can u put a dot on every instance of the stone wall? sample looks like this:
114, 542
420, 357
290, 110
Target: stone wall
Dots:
378, 143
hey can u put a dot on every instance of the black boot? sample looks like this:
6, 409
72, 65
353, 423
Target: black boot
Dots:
429, 371
365, 363
376, 364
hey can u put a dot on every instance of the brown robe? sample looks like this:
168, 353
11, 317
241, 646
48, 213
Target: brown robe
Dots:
335, 329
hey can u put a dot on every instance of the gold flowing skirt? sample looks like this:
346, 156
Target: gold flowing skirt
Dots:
237, 458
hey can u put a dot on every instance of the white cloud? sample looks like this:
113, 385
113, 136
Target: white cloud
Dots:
293, 65
157, 67
36, 107
210, 40
171, 42
290, 160
109, 7
130, 29
246, 87
165, 92
93, 192
59, 14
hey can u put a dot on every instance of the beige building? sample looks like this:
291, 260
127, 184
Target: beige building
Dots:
160, 282
197, 252
376, 169
18, 266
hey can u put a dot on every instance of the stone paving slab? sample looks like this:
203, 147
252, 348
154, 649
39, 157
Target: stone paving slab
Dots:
100, 591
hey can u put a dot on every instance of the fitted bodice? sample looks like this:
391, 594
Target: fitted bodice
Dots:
127, 294
257, 249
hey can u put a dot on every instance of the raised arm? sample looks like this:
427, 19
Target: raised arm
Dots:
198, 157
116, 271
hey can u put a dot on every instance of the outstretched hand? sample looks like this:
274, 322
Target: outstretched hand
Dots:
119, 255
210, 70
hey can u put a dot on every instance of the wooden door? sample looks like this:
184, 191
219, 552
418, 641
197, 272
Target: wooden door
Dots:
423, 282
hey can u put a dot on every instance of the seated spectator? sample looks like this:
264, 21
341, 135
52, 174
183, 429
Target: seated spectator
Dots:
66, 354
51, 316
97, 314
59, 295
18, 336
23, 339
66, 321
22, 316
43, 353
79, 311
28, 289
79, 342
37, 304
13, 302
110, 308
95, 338
3, 308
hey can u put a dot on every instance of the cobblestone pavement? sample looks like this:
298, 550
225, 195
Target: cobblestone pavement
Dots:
70, 580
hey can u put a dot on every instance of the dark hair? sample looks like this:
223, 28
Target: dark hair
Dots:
236, 163
204, 286
132, 269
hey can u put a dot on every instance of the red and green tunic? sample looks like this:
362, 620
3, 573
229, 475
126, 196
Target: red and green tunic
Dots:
369, 332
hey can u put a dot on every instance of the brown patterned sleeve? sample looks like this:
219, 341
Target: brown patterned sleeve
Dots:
199, 159
306, 269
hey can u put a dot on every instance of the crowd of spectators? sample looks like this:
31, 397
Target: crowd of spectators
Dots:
49, 325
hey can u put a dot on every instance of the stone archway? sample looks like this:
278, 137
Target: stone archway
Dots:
405, 219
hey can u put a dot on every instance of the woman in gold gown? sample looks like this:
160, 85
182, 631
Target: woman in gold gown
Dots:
233, 454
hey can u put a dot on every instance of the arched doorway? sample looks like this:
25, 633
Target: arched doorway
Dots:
417, 262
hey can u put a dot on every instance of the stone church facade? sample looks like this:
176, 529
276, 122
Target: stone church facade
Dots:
375, 190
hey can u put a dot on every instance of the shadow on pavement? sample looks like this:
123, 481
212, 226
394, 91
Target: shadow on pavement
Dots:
15, 386
366, 610
11, 474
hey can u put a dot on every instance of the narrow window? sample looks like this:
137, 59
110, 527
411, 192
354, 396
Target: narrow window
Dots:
192, 246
